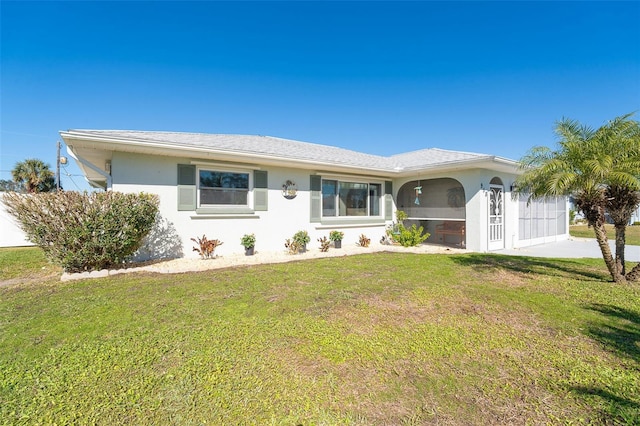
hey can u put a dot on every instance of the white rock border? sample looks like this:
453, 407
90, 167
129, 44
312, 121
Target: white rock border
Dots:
182, 265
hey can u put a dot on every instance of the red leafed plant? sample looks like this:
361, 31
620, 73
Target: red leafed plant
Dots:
206, 247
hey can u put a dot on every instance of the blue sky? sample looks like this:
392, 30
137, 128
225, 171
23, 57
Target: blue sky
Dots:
378, 77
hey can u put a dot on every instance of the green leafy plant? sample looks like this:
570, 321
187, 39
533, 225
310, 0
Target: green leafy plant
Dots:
301, 237
206, 248
406, 237
85, 231
410, 237
336, 235
324, 244
401, 216
248, 241
363, 241
298, 243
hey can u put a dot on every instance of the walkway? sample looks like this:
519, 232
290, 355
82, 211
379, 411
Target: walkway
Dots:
571, 248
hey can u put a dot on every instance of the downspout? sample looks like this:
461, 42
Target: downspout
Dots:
92, 167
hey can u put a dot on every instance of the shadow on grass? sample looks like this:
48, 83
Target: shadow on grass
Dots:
523, 264
619, 410
619, 332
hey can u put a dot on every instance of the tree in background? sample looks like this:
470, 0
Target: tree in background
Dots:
600, 169
35, 175
10, 186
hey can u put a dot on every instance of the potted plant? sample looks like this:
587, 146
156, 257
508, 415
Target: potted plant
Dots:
336, 237
302, 238
249, 243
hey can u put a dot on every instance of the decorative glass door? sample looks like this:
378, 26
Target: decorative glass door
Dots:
496, 217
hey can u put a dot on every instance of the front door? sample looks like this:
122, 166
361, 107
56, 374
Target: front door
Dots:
496, 217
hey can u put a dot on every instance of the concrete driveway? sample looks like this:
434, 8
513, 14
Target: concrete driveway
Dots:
572, 248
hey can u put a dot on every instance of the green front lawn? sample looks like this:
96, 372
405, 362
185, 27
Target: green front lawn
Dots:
372, 339
632, 233
26, 263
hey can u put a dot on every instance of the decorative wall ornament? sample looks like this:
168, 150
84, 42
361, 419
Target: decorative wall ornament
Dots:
289, 190
418, 190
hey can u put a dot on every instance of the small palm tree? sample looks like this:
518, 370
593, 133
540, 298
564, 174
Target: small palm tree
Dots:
34, 174
619, 167
599, 168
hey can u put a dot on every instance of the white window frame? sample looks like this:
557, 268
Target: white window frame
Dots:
368, 182
249, 203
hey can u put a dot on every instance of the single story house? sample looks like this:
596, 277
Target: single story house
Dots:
225, 186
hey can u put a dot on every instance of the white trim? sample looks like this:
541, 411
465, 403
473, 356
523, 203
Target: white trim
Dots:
92, 167
222, 207
437, 218
349, 225
233, 165
344, 176
368, 182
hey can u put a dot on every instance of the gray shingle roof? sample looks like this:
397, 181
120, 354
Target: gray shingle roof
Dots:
434, 156
289, 149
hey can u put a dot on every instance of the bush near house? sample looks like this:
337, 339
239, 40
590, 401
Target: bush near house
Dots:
406, 237
85, 231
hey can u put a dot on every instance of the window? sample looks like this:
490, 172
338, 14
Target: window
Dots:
223, 188
350, 198
329, 191
543, 217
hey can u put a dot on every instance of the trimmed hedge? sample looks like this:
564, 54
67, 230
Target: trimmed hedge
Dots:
85, 231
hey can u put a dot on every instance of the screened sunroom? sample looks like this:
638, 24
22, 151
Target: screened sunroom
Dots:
439, 205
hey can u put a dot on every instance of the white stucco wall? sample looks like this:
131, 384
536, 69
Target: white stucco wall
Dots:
158, 175
10, 234
132, 173
284, 217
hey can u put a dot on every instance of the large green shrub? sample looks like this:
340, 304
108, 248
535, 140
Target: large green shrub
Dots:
406, 237
85, 231
409, 237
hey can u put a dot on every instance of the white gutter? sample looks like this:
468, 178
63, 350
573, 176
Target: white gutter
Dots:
92, 167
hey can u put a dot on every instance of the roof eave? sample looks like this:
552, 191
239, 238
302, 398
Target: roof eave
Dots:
489, 162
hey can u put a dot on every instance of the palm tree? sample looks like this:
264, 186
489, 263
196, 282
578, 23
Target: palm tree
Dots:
619, 167
34, 174
600, 169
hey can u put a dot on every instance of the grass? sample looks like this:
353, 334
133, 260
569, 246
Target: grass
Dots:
383, 338
632, 233
25, 263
